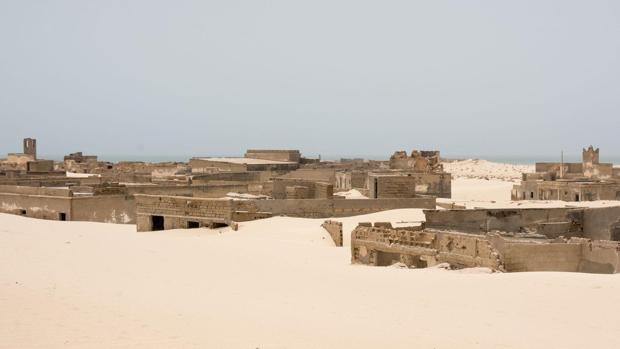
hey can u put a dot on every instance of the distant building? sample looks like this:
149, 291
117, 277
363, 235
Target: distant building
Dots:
588, 180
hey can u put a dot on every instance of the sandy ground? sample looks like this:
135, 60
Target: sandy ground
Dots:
277, 283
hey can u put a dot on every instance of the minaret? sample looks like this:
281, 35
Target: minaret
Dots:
30, 147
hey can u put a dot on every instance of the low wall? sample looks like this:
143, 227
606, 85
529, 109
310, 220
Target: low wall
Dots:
36, 206
325, 208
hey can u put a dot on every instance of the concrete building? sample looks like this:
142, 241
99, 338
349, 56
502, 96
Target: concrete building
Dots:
511, 240
586, 181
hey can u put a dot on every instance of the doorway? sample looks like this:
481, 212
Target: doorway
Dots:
157, 223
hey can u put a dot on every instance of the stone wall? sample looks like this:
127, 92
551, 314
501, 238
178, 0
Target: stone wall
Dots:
335, 231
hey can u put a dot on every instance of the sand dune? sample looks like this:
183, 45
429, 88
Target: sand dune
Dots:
275, 283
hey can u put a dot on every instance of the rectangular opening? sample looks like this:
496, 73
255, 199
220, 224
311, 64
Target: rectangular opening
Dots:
531, 195
62, 216
157, 223
376, 193
22, 212
576, 197
193, 224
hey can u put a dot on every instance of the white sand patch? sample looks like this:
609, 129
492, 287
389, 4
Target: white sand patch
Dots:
275, 283
351, 194
483, 169
81, 175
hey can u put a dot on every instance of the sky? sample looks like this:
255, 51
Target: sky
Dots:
486, 78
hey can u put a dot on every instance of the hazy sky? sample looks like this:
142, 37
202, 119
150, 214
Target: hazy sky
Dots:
327, 77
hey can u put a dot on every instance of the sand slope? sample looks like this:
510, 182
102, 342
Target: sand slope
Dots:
275, 283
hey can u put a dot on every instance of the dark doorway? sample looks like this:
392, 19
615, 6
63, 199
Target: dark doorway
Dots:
157, 223
193, 225
22, 212
62, 216
576, 197
376, 193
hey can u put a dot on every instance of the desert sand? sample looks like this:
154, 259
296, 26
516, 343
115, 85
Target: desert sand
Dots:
278, 283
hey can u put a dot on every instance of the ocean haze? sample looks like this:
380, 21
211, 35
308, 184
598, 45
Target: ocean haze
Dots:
163, 78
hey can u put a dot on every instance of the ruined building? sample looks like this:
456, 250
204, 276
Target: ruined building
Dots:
562, 239
419, 174
588, 180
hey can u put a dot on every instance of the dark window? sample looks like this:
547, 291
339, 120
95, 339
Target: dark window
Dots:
192, 224
157, 223
62, 216
576, 197
22, 212
531, 195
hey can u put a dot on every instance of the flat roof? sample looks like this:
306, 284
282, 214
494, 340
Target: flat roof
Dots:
248, 161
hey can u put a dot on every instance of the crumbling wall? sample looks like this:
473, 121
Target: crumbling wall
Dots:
419, 161
335, 231
479, 221
384, 246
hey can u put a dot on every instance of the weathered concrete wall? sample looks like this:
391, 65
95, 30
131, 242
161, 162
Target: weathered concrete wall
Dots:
118, 209
316, 190
274, 154
178, 211
384, 246
36, 206
382, 187
41, 166
541, 257
598, 222
327, 175
335, 231
508, 220
408, 184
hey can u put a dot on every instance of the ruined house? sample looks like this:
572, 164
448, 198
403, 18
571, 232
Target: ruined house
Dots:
563, 239
588, 180
419, 174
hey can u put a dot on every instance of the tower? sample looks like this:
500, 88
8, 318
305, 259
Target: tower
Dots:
30, 147
591, 156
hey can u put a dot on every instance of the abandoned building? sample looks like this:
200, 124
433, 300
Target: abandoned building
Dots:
407, 176
511, 240
159, 212
588, 180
